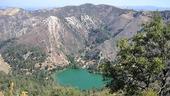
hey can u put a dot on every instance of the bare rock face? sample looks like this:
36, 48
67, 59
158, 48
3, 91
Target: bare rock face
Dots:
1, 94
10, 11
81, 31
4, 67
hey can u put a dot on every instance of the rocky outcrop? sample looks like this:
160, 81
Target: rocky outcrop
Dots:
1, 94
10, 11
4, 67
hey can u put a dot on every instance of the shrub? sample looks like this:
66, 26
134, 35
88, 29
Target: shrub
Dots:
149, 92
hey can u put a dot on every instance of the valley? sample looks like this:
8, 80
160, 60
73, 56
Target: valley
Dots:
73, 50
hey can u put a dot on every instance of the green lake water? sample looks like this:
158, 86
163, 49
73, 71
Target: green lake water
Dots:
79, 78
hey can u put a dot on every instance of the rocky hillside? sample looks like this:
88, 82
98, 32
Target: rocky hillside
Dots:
86, 32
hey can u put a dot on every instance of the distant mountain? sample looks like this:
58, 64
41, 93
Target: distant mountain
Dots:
146, 8
86, 32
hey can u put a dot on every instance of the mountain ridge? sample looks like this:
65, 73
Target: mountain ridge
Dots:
137, 8
87, 32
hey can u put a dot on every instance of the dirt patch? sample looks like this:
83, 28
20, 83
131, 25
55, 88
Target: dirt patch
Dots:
4, 67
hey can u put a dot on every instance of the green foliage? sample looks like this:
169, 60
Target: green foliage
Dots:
6, 42
98, 36
26, 78
140, 59
149, 92
22, 57
73, 63
40, 83
115, 75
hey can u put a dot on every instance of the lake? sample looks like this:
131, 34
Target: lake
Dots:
79, 78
